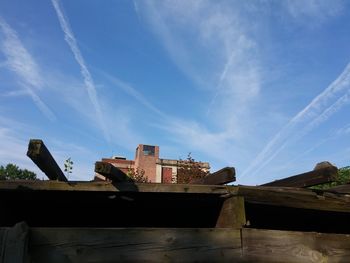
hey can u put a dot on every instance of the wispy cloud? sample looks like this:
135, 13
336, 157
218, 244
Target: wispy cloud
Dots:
212, 45
131, 91
20, 61
209, 26
319, 9
88, 80
321, 108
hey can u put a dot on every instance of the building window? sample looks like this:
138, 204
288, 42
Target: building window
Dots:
148, 150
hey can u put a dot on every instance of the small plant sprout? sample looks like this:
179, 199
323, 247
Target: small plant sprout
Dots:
68, 167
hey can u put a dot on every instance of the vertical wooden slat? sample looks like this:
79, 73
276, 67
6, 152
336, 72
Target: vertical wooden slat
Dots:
232, 213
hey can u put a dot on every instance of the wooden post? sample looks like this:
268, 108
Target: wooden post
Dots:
14, 244
223, 176
111, 172
41, 156
232, 213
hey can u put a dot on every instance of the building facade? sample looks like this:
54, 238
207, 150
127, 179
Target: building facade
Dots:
157, 170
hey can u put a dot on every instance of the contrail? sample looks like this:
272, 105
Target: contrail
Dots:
134, 93
22, 63
89, 83
315, 113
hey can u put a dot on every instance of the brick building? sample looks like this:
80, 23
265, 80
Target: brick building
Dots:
147, 158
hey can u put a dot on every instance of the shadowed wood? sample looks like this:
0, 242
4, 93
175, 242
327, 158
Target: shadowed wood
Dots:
322, 175
341, 189
14, 244
295, 197
107, 245
111, 172
223, 176
25, 185
232, 213
63, 245
41, 156
294, 247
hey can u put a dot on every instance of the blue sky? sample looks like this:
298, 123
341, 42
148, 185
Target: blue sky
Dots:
263, 86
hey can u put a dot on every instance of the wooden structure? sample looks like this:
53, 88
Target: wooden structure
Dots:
41, 156
321, 174
123, 221
170, 222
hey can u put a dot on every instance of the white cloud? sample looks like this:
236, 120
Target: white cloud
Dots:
20, 61
321, 108
89, 83
193, 29
319, 9
211, 43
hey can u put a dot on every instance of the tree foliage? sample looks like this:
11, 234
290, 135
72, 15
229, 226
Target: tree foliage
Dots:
189, 170
13, 172
138, 175
343, 178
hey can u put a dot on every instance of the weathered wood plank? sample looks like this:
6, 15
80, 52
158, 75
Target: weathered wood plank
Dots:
223, 176
14, 244
232, 213
295, 197
134, 245
111, 172
41, 156
25, 185
290, 247
340, 189
322, 175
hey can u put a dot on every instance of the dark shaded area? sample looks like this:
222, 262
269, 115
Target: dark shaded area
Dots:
109, 209
296, 219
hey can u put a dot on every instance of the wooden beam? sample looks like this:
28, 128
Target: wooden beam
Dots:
317, 176
232, 213
111, 172
295, 197
61, 245
289, 246
25, 185
71, 245
340, 189
41, 156
223, 176
14, 244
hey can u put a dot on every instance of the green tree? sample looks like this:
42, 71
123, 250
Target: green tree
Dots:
190, 170
13, 172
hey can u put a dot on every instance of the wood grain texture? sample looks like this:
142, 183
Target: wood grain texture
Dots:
111, 172
340, 189
134, 245
294, 247
41, 156
232, 213
295, 197
25, 185
223, 176
315, 177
